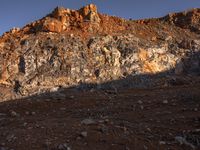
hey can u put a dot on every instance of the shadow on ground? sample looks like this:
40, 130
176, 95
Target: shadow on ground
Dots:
122, 114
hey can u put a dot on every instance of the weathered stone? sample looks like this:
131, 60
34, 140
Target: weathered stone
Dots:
84, 134
59, 51
52, 25
63, 147
88, 122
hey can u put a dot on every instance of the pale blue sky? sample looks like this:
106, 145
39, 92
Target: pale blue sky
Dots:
17, 13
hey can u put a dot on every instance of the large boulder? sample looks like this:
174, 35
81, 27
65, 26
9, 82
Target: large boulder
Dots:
52, 25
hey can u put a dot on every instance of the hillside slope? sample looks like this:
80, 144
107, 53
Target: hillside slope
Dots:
81, 80
83, 47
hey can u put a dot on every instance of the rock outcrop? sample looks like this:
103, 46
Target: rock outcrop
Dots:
85, 48
61, 19
188, 20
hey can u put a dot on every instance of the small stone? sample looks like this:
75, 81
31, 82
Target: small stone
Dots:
71, 97
139, 102
103, 129
165, 102
84, 134
54, 89
64, 147
196, 109
148, 129
33, 113
106, 120
182, 140
14, 114
162, 142
37, 125
88, 122
10, 138
25, 124
145, 147
27, 113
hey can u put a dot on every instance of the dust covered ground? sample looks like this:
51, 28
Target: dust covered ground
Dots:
139, 119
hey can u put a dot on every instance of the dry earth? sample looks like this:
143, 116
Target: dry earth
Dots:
135, 119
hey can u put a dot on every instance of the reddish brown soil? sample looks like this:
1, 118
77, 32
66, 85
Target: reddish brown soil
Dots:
130, 119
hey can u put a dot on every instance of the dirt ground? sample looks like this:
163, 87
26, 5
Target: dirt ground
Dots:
134, 119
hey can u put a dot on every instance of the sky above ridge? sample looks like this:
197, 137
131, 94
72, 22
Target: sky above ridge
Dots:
17, 13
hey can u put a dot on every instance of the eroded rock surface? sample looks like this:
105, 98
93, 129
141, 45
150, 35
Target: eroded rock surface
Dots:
83, 47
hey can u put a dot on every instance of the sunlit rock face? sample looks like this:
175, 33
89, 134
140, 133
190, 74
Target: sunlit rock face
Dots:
61, 19
85, 48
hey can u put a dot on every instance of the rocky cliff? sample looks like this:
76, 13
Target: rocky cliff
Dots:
85, 48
